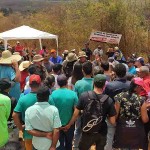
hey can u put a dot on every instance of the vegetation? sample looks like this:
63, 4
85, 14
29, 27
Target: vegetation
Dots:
74, 21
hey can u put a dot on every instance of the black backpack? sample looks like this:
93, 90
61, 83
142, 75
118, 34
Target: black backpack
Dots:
69, 68
93, 119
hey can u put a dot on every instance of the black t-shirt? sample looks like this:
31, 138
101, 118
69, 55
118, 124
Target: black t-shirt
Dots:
88, 53
108, 107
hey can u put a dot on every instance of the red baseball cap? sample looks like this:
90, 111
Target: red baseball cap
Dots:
35, 78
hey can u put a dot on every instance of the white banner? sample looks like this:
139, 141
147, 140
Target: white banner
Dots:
105, 37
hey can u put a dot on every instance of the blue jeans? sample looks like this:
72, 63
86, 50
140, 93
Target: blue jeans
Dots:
77, 133
65, 139
110, 135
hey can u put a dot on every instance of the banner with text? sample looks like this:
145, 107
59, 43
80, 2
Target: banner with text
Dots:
111, 38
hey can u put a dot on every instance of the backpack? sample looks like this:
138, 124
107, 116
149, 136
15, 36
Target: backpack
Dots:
69, 68
93, 117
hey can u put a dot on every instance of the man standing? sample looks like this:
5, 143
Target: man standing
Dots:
43, 122
19, 48
9, 69
65, 100
113, 88
139, 62
132, 69
145, 74
87, 51
83, 85
48, 64
54, 58
22, 105
82, 58
94, 129
98, 51
5, 108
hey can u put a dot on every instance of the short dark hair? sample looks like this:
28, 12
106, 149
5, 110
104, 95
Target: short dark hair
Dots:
120, 70
49, 81
57, 68
97, 70
87, 67
43, 94
34, 84
44, 47
105, 65
32, 69
62, 80
99, 84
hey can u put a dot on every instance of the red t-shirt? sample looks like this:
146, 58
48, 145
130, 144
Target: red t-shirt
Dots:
24, 75
147, 83
19, 49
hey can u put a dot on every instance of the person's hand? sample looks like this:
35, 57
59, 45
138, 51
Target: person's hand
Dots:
14, 64
49, 135
52, 148
23, 126
65, 128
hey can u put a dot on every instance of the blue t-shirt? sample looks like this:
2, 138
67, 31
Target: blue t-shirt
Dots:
132, 70
9, 72
57, 60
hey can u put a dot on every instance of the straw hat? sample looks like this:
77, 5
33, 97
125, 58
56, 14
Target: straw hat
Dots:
73, 50
16, 53
7, 57
24, 65
37, 58
82, 54
65, 52
71, 57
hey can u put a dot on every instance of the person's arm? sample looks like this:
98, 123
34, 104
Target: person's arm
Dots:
73, 119
16, 117
117, 107
144, 114
55, 138
111, 112
40, 133
18, 75
112, 120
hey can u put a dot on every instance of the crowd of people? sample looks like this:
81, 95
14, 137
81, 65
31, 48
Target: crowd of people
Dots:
51, 102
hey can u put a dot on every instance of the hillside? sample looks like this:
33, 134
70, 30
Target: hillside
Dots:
27, 5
